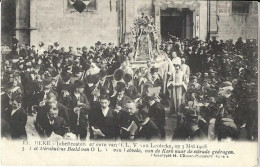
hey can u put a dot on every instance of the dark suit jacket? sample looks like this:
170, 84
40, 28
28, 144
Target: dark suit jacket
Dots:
5, 129
61, 83
26, 81
5, 104
124, 119
122, 102
157, 114
17, 123
64, 113
132, 92
44, 127
106, 86
149, 131
83, 112
23, 53
105, 123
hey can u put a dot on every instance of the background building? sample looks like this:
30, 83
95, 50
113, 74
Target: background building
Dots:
33, 21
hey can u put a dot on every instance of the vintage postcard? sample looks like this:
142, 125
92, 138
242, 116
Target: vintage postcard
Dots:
129, 82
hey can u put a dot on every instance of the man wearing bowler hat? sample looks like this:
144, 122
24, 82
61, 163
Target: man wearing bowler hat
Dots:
80, 107
119, 100
130, 90
104, 84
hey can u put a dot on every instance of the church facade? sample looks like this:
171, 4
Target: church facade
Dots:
33, 21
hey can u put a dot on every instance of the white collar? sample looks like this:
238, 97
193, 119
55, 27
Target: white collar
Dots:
146, 121
77, 95
50, 121
105, 111
151, 102
14, 111
47, 90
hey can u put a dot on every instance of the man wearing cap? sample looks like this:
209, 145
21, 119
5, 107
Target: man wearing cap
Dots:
62, 53
84, 57
77, 74
41, 49
23, 52
80, 107
71, 51
97, 46
33, 51
192, 127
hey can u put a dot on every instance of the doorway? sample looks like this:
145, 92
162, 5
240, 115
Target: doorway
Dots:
176, 22
171, 25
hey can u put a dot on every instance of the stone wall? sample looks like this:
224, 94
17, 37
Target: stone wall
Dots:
55, 22
233, 26
7, 21
52, 20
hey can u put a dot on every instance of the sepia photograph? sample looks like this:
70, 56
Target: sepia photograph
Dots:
129, 71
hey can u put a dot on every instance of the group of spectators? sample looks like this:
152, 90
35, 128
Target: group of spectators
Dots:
211, 90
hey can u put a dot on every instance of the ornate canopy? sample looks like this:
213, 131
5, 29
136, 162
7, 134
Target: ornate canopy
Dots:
179, 4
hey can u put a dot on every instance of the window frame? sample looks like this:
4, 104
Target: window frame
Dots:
240, 13
69, 9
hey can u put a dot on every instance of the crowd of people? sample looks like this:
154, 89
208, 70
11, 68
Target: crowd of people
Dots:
211, 90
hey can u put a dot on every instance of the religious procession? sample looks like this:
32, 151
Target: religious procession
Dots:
147, 89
